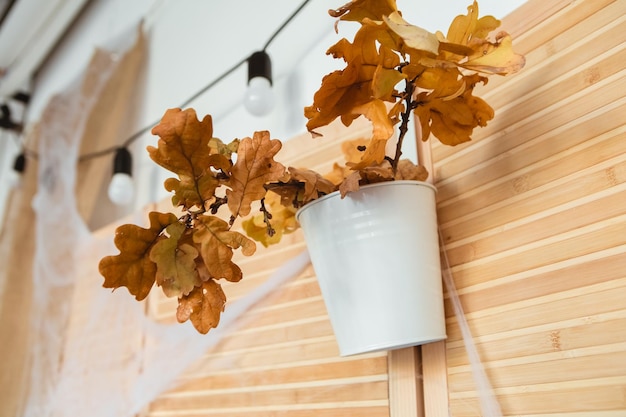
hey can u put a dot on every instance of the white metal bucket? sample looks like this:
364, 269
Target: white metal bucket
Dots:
376, 256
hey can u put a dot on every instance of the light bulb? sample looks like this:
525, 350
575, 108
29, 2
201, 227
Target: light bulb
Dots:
259, 98
121, 189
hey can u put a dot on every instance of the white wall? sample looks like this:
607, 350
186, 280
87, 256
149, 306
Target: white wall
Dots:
193, 41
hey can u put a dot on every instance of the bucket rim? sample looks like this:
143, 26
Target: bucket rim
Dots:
367, 186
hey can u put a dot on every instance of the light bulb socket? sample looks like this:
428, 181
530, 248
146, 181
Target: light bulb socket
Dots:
19, 165
260, 65
123, 162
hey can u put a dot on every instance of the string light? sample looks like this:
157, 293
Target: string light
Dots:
259, 97
121, 188
259, 92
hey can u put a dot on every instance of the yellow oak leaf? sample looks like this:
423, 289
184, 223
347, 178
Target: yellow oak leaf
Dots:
353, 149
132, 268
254, 168
283, 221
495, 57
357, 10
337, 174
176, 271
374, 154
203, 306
464, 28
413, 37
217, 243
467, 38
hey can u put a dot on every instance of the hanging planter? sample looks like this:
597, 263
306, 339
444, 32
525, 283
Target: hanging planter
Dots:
376, 256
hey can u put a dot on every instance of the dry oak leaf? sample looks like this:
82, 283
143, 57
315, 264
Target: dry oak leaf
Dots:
315, 185
217, 243
175, 259
254, 168
407, 170
350, 184
132, 268
203, 306
183, 148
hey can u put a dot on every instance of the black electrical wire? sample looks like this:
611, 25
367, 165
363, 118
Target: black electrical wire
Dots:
140, 132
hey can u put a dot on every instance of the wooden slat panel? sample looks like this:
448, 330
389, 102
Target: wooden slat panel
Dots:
533, 215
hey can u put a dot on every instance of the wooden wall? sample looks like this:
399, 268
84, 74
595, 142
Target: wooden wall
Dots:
534, 219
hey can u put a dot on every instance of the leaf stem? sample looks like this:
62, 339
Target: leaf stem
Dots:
404, 125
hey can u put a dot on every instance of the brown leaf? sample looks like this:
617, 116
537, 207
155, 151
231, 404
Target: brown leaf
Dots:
216, 247
184, 148
407, 170
176, 262
203, 306
132, 268
315, 185
350, 184
254, 168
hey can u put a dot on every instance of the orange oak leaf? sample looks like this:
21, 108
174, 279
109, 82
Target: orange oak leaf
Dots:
361, 88
217, 243
176, 262
203, 306
453, 121
357, 10
254, 168
132, 268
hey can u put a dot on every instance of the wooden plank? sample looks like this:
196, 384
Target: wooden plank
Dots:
369, 409
405, 383
238, 378
334, 391
435, 381
592, 303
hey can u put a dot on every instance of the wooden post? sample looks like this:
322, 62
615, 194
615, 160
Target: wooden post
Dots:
434, 369
405, 383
